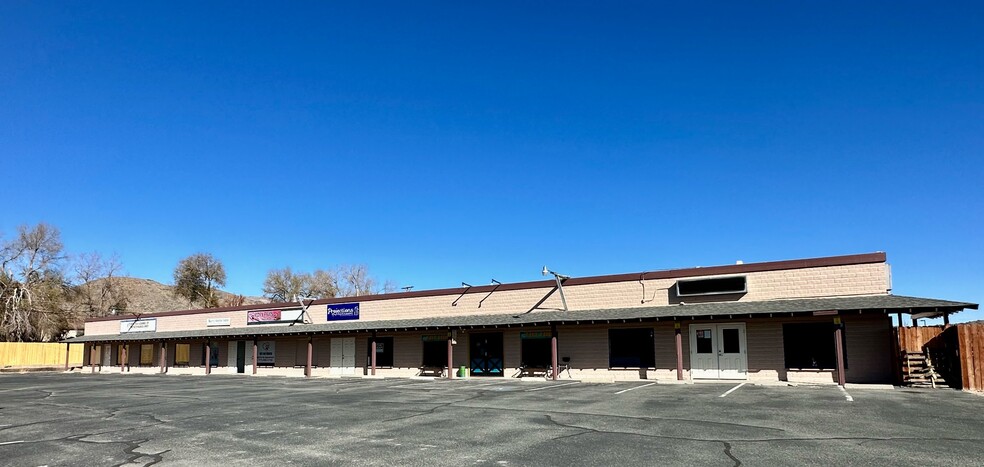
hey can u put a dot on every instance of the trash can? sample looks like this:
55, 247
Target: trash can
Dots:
462, 372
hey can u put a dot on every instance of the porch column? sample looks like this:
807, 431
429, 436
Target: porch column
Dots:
838, 336
122, 358
553, 352
208, 358
68, 352
450, 356
372, 355
310, 354
255, 353
679, 350
126, 351
946, 320
900, 320
92, 357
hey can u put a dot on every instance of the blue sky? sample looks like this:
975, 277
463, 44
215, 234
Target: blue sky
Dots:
441, 143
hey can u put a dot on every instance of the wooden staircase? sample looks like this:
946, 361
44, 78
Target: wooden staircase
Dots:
918, 371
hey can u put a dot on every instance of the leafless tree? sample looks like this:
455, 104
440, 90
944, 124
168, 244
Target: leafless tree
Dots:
32, 285
99, 291
282, 285
197, 279
323, 284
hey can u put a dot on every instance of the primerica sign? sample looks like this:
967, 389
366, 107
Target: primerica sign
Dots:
343, 311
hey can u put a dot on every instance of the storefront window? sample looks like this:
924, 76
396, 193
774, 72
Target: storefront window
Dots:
631, 348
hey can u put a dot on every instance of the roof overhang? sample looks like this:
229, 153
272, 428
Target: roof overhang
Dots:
918, 307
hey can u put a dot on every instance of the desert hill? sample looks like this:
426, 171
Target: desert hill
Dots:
149, 296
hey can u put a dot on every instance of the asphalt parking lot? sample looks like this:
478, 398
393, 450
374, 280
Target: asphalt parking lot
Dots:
80, 419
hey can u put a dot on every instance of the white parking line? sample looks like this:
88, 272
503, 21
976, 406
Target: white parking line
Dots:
732, 389
11, 442
637, 387
552, 386
846, 395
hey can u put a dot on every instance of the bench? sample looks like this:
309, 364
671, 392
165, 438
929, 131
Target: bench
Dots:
437, 371
533, 371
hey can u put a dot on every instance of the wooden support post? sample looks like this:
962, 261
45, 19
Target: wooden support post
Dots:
900, 320
208, 358
68, 352
122, 358
946, 320
163, 357
372, 355
255, 354
450, 356
679, 350
839, 349
92, 357
553, 352
310, 355
126, 350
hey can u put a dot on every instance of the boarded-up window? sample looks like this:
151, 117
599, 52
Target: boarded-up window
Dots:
147, 354
182, 354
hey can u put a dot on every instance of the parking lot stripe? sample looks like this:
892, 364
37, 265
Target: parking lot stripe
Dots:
11, 442
846, 395
637, 387
732, 389
552, 386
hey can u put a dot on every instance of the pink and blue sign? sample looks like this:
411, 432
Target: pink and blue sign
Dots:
343, 311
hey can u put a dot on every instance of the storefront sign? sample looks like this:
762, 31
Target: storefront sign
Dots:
266, 352
272, 316
534, 335
138, 325
218, 322
434, 337
343, 311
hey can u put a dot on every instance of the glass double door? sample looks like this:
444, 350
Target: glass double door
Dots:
718, 351
485, 355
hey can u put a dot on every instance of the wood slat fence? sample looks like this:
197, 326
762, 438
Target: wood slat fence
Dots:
27, 354
958, 351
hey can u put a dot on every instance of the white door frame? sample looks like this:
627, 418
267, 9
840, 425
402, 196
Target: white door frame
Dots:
709, 366
340, 361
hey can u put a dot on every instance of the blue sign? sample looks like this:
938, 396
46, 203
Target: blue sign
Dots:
343, 311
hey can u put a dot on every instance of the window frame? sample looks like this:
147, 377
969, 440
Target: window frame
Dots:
648, 342
790, 339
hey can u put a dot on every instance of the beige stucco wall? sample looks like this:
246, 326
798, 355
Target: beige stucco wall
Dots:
860, 279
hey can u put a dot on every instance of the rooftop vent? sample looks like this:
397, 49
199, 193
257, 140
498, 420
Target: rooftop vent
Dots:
714, 286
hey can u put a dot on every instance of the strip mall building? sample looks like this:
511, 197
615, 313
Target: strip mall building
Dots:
810, 320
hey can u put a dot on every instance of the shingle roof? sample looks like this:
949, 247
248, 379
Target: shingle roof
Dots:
893, 303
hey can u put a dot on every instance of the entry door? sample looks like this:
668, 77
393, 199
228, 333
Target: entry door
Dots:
343, 355
718, 351
486, 354
241, 357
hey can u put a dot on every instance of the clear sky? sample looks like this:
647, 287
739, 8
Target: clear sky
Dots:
441, 143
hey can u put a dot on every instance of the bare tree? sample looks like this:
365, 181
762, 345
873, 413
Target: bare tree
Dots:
283, 285
32, 285
197, 278
323, 284
99, 291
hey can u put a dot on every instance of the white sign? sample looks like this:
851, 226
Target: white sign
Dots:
266, 352
218, 321
138, 325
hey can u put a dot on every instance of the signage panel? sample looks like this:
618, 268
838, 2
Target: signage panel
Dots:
218, 322
534, 335
138, 325
343, 311
266, 352
259, 317
434, 337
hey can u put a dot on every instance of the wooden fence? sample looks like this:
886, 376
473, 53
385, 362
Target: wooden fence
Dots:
971, 341
25, 354
957, 351
913, 339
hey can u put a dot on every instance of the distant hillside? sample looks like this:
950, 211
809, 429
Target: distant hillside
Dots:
148, 296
